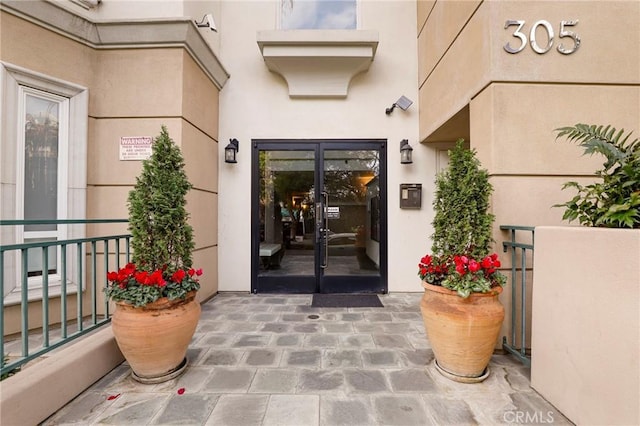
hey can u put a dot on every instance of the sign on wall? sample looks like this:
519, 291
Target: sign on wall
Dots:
135, 147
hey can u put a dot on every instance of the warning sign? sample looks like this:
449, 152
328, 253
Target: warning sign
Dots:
135, 147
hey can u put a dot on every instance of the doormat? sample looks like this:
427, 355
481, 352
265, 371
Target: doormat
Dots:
346, 301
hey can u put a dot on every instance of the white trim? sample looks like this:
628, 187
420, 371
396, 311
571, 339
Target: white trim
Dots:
15, 83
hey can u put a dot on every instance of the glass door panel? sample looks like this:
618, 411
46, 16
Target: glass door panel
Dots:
318, 217
286, 219
351, 237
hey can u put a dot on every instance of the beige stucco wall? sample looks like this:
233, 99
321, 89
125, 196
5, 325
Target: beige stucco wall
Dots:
132, 92
586, 317
255, 104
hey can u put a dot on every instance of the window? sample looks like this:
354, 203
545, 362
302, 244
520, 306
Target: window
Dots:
44, 127
318, 15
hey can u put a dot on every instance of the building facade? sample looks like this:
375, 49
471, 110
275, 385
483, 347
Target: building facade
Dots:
320, 97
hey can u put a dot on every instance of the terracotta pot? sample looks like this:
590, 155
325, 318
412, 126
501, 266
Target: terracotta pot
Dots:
154, 338
462, 332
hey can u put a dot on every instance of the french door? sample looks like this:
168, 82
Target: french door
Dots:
319, 216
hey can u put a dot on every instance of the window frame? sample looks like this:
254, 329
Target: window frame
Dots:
280, 11
15, 83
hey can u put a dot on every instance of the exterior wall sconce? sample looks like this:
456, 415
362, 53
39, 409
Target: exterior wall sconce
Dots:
403, 103
405, 152
231, 150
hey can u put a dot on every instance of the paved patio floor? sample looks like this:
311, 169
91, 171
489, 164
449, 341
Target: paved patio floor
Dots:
275, 360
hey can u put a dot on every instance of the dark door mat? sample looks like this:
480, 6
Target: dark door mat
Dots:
346, 301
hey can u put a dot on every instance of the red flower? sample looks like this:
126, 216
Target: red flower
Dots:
112, 276
460, 269
142, 277
487, 262
199, 271
178, 276
156, 278
474, 266
180, 391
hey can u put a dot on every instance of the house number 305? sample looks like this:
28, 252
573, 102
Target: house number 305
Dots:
532, 37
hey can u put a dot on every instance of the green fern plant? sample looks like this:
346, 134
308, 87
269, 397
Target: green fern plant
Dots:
614, 200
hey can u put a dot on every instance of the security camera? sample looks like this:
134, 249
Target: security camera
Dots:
207, 21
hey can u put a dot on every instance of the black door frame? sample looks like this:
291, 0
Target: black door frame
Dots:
318, 282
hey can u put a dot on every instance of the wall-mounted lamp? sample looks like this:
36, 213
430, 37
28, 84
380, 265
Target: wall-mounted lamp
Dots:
231, 150
207, 22
403, 103
405, 152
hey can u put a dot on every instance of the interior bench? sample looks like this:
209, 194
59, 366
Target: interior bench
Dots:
271, 254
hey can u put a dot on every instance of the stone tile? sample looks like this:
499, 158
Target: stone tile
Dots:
209, 326
397, 328
192, 380
221, 357
306, 328
262, 317
321, 340
366, 381
283, 308
269, 380
229, 380
447, 411
82, 410
338, 327
357, 341
239, 410
237, 317
380, 358
292, 410
352, 316
517, 381
419, 340
346, 411
339, 358
536, 408
243, 326
275, 327
216, 339
262, 357
303, 358
287, 340
377, 316
294, 317
411, 380
187, 409
275, 300
417, 357
407, 316
249, 340
313, 381
133, 409
396, 341
403, 410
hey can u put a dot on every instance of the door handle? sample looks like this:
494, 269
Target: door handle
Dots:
325, 231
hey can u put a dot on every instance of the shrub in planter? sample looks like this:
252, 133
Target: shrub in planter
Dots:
614, 200
460, 306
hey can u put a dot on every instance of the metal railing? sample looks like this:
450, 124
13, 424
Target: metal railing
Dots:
75, 270
518, 286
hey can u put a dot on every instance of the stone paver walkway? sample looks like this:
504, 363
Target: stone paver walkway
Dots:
275, 360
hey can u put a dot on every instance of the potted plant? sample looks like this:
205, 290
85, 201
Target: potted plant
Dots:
156, 310
460, 306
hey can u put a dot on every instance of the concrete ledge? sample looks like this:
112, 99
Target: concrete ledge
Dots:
40, 390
